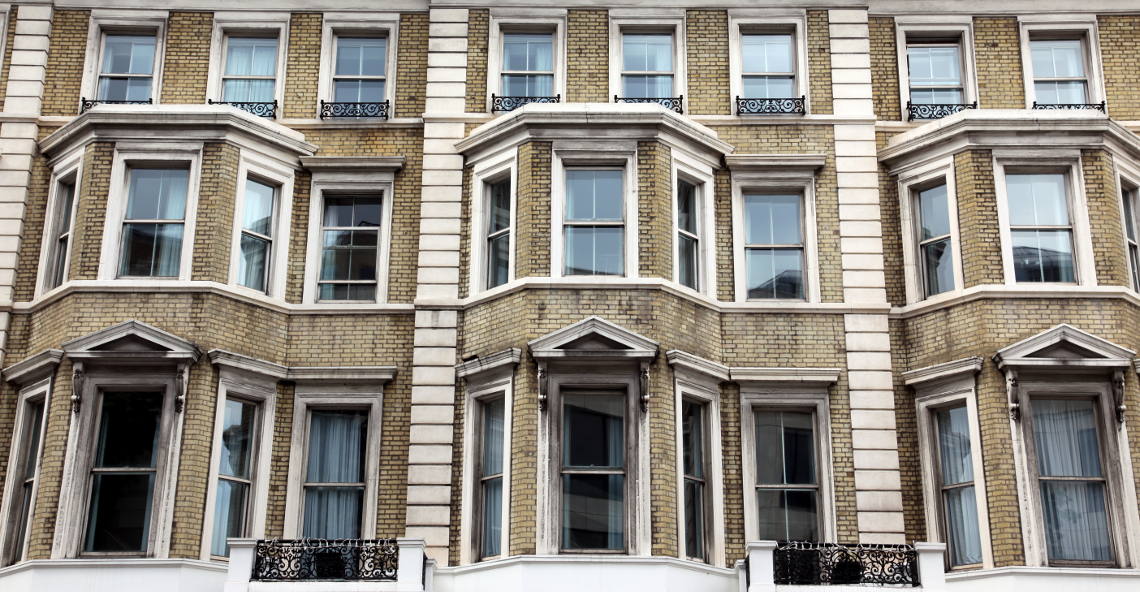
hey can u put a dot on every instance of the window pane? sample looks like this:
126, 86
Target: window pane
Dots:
641, 86
1076, 521
934, 66
772, 219
1065, 434
333, 512
237, 438
647, 53
774, 273
253, 262
954, 446
787, 515
962, 526
136, 88
528, 85
248, 90
35, 417
1129, 214
258, 215
593, 194
769, 87
128, 430
229, 515
336, 447
151, 250
492, 464
1057, 58
934, 212
1061, 92
694, 519
593, 515
693, 438
500, 205
157, 194
785, 448
492, 516
593, 430
352, 211
938, 265
766, 53
498, 260
128, 54
687, 264
687, 206
594, 250
251, 56
1043, 255
119, 516
358, 91
528, 52
492, 438
361, 56
348, 292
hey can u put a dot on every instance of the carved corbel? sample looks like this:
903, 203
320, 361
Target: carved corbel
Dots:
1013, 392
181, 385
543, 385
77, 379
1118, 394
643, 383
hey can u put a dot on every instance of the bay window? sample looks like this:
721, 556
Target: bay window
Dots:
239, 443
694, 465
956, 482
594, 222
24, 472
593, 471
936, 255
334, 482
1040, 227
259, 203
787, 482
1131, 238
59, 247
154, 223
688, 235
498, 232
491, 477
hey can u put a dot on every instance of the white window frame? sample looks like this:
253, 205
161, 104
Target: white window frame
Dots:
699, 380
357, 24
700, 175
114, 22
951, 384
492, 377
36, 392
909, 183
658, 21
1083, 27
1128, 181
1067, 162
528, 20
261, 390
750, 21
67, 168
942, 26
333, 396
771, 183
588, 155
239, 24
252, 165
174, 155
500, 167
345, 183
787, 396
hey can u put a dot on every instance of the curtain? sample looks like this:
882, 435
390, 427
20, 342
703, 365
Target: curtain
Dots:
956, 464
336, 456
492, 465
1076, 519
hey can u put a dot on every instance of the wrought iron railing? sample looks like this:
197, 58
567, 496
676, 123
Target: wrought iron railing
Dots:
258, 108
799, 563
341, 109
670, 103
509, 103
1069, 106
770, 106
929, 111
85, 103
325, 559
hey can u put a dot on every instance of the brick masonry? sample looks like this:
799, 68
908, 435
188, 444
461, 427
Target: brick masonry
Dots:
65, 60
587, 56
978, 218
885, 75
411, 65
303, 64
13, 16
532, 235
1121, 65
819, 61
186, 61
997, 57
477, 34
706, 42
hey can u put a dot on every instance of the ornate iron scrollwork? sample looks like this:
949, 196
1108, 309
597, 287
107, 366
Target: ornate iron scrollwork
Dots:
508, 103
258, 108
670, 103
377, 109
77, 379
802, 563
928, 111
1069, 106
85, 103
326, 559
770, 106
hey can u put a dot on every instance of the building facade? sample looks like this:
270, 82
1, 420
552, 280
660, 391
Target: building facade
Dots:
449, 295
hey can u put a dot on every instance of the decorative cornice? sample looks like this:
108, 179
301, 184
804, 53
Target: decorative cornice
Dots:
682, 360
353, 164
245, 363
508, 357
800, 376
1020, 354
955, 369
634, 346
33, 367
775, 163
167, 345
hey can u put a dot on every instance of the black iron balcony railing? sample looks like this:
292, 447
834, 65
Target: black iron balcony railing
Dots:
510, 103
258, 108
378, 109
325, 559
798, 563
670, 103
770, 106
1069, 106
86, 103
929, 111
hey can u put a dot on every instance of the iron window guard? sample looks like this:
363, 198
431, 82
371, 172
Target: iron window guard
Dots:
1069, 106
931, 111
803, 563
510, 103
280, 560
771, 105
258, 108
86, 103
347, 109
670, 103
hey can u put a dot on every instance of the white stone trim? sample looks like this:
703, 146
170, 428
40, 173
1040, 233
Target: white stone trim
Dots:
235, 23
944, 26
13, 481
497, 381
104, 21
700, 174
172, 153
67, 167
371, 24
701, 387
543, 19
907, 181
1064, 161
1082, 26
792, 21
502, 165
654, 21
251, 163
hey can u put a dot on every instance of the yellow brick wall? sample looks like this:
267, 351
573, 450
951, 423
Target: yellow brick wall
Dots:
302, 65
654, 210
587, 56
892, 238
1104, 212
1120, 63
978, 218
214, 227
477, 32
411, 65
532, 234
13, 16
997, 57
706, 41
885, 77
35, 211
91, 212
819, 61
66, 55
186, 63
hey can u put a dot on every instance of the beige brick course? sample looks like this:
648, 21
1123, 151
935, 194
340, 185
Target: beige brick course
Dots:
706, 42
477, 33
1120, 64
66, 57
186, 62
997, 56
885, 77
819, 61
303, 65
587, 56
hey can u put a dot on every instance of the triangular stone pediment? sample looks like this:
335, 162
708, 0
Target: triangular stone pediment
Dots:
593, 337
594, 342
130, 343
131, 339
1064, 345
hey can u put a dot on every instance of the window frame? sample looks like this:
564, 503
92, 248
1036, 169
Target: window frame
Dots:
743, 22
501, 167
619, 156
1128, 184
238, 24
67, 169
910, 183
106, 21
128, 156
1083, 27
744, 184
525, 20
268, 173
940, 27
28, 396
700, 175
637, 21
357, 24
